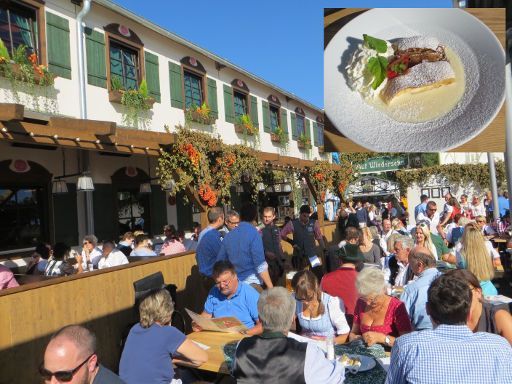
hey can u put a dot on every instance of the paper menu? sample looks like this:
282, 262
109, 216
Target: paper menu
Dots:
220, 324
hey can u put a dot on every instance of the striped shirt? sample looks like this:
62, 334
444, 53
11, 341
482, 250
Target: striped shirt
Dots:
450, 354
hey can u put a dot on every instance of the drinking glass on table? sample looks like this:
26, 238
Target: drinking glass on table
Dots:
289, 278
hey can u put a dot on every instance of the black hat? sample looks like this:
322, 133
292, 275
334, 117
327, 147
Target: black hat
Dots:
351, 253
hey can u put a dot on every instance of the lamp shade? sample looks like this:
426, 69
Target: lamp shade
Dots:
170, 186
145, 188
84, 184
287, 187
59, 187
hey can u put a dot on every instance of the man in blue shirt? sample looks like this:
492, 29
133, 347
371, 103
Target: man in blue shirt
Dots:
450, 353
421, 208
423, 265
231, 297
243, 247
209, 242
503, 204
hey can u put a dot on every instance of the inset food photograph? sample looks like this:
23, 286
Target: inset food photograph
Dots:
415, 79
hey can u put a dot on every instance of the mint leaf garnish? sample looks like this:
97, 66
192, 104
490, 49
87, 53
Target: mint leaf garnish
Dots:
379, 45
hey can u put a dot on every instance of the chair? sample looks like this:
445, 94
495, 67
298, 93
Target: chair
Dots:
143, 287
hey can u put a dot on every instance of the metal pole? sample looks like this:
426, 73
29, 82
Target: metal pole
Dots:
508, 136
494, 186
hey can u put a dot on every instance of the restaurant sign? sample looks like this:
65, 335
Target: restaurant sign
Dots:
382, 164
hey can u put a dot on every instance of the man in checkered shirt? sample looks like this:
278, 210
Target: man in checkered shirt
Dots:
450, 353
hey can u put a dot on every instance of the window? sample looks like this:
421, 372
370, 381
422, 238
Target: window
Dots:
300, 126
240, 101
193, 89
320, 134
133, 210
274, 117
18, 26
21, 210
124, 65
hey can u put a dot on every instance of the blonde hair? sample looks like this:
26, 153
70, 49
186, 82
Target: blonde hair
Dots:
428, 239
370, 281
157, 307
476, 255
396, 223
367, 236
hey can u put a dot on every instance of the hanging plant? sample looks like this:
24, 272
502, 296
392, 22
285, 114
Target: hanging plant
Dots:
28, 76
245, 125
325, 176
136, 101
205, 164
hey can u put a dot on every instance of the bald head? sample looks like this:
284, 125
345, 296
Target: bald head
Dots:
420, 259
67, 349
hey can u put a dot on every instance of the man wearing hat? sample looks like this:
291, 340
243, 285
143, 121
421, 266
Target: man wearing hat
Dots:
305, 231
342, 282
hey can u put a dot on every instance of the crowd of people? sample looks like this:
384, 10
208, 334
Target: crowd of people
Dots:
384, 284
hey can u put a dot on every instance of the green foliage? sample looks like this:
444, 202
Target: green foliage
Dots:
116, 83
143, 88
304, 140
19, 55
4, 53
455, 174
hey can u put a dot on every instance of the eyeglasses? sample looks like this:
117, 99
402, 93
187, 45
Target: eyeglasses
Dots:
86, 242
225, 282
233, 222
480, 221
63, 376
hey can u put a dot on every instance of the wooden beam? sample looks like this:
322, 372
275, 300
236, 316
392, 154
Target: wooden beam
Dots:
159, 138
9, 111
267, 156
95, 127
288, 160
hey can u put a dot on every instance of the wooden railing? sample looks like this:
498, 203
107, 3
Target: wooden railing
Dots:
102, 300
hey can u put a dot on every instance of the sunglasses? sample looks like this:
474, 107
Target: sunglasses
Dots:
64, 376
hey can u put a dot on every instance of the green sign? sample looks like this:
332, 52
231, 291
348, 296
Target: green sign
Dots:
381, 164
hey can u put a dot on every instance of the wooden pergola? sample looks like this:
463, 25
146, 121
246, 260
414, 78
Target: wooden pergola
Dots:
20, 126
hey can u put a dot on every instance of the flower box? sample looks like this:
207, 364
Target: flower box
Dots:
242, 128
18, 74
304, 144
321, 149
198, 117
116, 96
275, 138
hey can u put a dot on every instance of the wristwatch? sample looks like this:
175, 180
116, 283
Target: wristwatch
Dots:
387, 341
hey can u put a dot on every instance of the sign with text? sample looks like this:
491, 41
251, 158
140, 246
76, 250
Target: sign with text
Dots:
381, 164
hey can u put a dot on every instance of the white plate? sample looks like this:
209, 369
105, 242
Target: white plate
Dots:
367, 362
483, 59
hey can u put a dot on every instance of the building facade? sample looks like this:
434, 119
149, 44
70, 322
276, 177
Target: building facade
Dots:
139, 78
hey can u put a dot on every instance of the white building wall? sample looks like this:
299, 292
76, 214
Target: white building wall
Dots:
100, 108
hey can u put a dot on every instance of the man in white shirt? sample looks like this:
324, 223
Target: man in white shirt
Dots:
111, 257
476, 208
387, 231
431, 217
397, 270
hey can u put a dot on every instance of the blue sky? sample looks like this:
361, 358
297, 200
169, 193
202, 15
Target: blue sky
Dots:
280, 41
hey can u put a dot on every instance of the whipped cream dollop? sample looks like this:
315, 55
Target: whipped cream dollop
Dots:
359, 77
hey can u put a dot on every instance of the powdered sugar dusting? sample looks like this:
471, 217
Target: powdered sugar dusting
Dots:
423, 74
470, 40
417, 42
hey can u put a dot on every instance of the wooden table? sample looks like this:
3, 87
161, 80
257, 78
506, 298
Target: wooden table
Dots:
491, 139
216, 341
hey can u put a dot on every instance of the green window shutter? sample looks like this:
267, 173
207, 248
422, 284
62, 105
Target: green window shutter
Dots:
284, 120
308, 128
152, 75
57, 37
294, 126
266, 116
95, 49
212, 97
228, 104
176, 84
254, 111
315, 133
